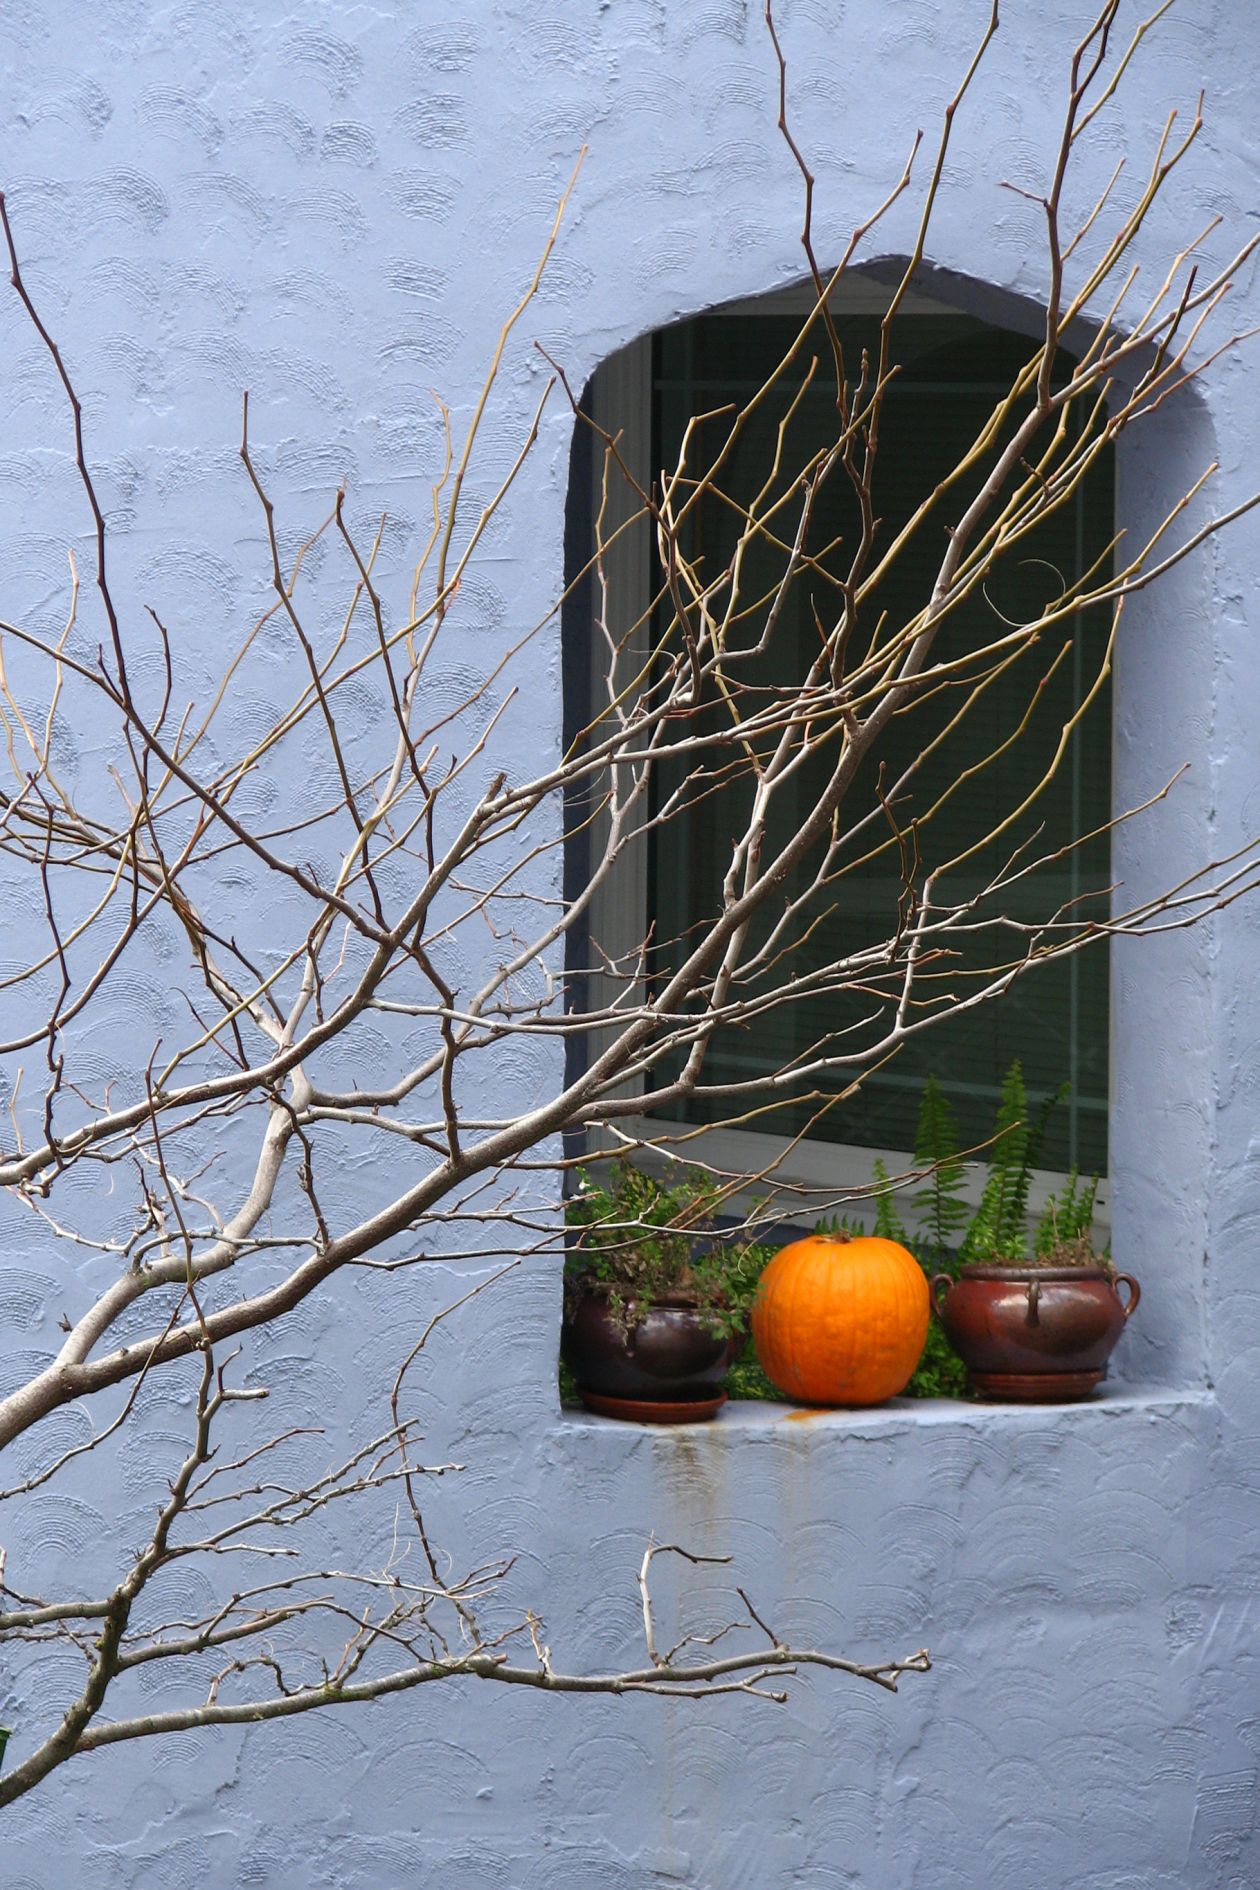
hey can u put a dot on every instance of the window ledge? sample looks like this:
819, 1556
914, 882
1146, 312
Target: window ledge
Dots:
745, 1418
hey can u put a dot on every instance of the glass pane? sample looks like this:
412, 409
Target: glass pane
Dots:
1055, 1021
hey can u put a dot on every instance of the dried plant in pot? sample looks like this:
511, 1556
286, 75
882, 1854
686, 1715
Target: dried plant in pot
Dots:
656, 1300
1034, 1328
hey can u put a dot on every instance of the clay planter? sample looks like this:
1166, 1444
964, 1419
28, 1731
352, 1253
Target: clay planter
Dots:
665, 1367
1038, 1335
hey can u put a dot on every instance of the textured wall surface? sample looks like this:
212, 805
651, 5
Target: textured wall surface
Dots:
334, 206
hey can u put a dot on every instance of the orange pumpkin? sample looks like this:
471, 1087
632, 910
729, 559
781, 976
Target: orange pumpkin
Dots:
841, 1321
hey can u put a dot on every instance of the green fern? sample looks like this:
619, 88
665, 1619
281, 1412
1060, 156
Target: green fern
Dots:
1032, 1155
997, 1231
837, 1226
888, 1223
1068, 1217
1048, 1226
942, 1212
1082, 1210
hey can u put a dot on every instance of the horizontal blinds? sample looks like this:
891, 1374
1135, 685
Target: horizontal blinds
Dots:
1054, 1021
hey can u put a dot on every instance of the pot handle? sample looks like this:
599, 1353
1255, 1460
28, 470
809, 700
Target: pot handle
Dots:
938, 1286
1034, 1302
1135, 1291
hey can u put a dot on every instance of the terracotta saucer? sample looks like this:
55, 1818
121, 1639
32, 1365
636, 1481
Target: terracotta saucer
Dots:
1036, 1387
650, 1411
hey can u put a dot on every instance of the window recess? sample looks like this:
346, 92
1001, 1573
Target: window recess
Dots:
1055, 1021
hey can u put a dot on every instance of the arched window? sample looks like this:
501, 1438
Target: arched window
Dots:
951, 369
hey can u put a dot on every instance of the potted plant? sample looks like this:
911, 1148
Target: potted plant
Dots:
1033, 1327
656, 1300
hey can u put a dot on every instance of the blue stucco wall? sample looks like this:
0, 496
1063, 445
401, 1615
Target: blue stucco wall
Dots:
335, 207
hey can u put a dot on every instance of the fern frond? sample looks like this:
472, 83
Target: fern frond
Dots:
1069, 1216
836, 1226
1036, 1140
888, 1223
942, 1212
997, 1231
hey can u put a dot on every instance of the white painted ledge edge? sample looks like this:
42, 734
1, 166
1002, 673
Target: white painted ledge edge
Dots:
743, 1418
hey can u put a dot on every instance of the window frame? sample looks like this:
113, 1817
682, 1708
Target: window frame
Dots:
811, 1174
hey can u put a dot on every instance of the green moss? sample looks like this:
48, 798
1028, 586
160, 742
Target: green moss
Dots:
940, 1372
747, 1380
569, 1398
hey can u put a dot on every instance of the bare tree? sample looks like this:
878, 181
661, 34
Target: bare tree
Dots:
191, 1188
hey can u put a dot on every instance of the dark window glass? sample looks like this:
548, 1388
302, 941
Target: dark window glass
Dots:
1055, 1021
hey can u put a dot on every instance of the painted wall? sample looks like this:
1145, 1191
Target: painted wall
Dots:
334, 208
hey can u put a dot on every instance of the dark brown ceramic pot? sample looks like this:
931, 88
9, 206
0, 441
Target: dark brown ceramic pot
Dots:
1038, 1335
666, 1355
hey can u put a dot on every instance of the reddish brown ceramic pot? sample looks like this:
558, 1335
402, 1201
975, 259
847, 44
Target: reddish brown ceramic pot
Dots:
667, 1354
1035, 1334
